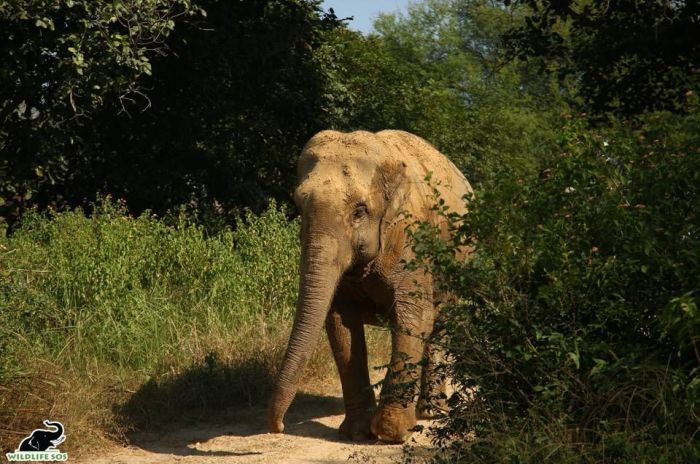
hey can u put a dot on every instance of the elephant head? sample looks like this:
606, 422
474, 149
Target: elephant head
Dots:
352, 191
41, 440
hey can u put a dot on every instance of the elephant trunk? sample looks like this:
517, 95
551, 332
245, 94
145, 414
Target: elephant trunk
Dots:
320, 273
59, 429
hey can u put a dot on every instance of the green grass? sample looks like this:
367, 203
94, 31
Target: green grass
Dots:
102, 314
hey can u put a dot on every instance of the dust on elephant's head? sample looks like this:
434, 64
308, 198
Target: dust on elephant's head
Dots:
351, 189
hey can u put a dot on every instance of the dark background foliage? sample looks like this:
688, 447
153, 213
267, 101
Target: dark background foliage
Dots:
216, 113
236, 96
626, 56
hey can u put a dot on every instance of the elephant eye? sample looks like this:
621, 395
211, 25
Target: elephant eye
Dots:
359, 212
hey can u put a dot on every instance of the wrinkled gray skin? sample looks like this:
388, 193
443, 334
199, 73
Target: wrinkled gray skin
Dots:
354, 190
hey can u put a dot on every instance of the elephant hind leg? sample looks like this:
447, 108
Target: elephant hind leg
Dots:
433, 397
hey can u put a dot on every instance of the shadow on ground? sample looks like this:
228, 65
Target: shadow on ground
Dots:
212, 399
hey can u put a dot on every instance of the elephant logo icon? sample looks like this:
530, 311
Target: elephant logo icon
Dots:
43, 440
41, 444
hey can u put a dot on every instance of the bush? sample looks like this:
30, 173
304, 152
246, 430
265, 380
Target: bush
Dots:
574, 336
111, 302
122, 287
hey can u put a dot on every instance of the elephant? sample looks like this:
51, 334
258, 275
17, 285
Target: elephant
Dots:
42, 440
356, 193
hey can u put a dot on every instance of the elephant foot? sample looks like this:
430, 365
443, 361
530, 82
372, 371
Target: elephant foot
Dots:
356, 427
274, 421
394, 424
275, 426
430, 408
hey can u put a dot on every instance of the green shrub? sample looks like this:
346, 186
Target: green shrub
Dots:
148, 318
124, 289
574, 336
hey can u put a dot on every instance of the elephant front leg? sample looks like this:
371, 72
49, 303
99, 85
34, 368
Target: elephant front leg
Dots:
433, 397
346, 334
396, 416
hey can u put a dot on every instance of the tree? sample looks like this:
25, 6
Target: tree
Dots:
439, 72
230, 108
626, 56
156, 102
574, 335
61, 61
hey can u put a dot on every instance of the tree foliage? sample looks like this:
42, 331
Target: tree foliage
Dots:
230, 108
625, 57
157, 102
61, 61
438, 71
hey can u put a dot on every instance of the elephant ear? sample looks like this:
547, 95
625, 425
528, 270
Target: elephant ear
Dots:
33, 442
393, 185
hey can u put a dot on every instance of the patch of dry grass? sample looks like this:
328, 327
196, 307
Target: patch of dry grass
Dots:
210, 374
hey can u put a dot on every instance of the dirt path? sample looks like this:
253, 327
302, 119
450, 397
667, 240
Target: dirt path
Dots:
310, 437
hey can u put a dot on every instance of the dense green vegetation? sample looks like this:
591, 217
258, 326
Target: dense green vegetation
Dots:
138, 298
574, 336
577, 329
575, 326
212, 107
438, 72
624, 57
158, 102
104, 275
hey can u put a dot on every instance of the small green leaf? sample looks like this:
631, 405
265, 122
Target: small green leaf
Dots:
575, 357
600, 364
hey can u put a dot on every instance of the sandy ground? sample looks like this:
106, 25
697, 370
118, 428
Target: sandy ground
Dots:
311, 436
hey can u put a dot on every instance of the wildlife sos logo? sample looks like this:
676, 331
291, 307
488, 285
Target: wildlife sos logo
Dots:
41, 445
